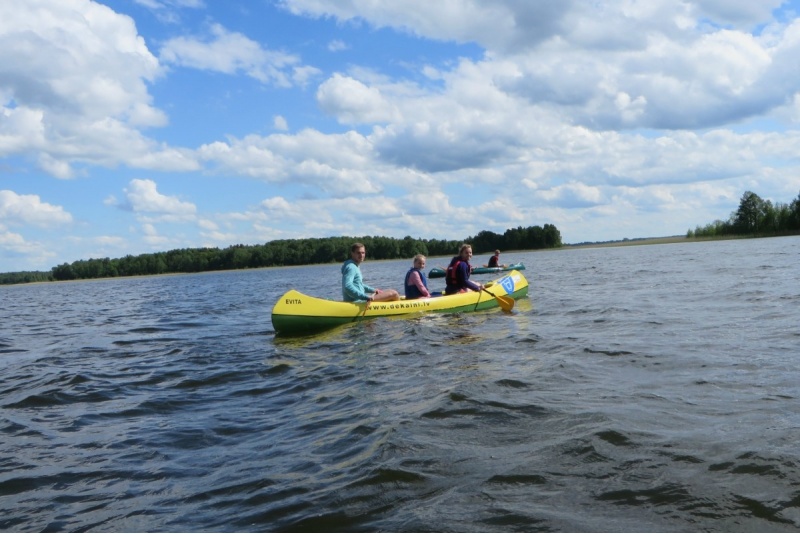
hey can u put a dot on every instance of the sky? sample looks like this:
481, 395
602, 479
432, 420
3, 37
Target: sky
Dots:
137, 126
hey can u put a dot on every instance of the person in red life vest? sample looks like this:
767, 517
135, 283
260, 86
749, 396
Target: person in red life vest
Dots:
458, 272
416, 281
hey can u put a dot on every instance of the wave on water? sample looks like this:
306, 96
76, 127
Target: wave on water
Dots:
655, 398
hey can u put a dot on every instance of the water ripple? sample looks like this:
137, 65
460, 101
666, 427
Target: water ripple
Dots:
658, 398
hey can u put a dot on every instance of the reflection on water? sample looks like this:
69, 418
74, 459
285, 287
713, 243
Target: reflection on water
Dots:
637, 389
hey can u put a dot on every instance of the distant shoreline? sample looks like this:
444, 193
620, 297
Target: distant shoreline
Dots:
651, 241
632, 242
666, 240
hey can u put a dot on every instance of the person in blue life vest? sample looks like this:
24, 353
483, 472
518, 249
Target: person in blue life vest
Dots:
353, 287
416, 284
457, 275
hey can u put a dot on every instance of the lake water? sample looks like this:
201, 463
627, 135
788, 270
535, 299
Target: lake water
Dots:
641, 388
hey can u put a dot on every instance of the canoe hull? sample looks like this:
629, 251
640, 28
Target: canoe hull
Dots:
296, 313
437, 272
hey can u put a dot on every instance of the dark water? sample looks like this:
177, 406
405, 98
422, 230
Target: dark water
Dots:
648, 388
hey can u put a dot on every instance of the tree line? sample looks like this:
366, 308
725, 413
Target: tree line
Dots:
286, 252
755, 217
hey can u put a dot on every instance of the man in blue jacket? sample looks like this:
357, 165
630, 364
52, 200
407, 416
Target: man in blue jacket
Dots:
353, 287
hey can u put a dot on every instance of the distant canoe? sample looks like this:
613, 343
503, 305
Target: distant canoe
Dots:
298, 314
436, 272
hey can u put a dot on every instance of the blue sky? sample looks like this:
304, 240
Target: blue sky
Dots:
134, 126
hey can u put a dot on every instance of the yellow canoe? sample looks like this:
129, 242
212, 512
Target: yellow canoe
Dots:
295, 313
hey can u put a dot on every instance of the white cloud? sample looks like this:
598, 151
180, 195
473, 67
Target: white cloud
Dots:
337, 45
21, 129
168, 11
279, 123
603, 65
425, 202
351, 101
334, 164
573, 195
55, 167
12, 241
230, 52
74, 55
276, 205
17, 254
142, 197
74, 81
742, 14
495, 24
207, 224
29, 209
151, 237
340, 216
304, 75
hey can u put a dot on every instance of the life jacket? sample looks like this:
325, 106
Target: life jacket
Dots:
494, 261
412, 291
454, 285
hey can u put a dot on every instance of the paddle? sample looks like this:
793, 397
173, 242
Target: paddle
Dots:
506, 303
361, 315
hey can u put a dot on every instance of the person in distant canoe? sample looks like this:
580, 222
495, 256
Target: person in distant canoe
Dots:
353, 287
457, 275
416, 284
494, 261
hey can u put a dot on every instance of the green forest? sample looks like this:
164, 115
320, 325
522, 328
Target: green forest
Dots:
755, 217
285, 252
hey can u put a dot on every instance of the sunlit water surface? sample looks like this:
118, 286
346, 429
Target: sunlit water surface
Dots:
645, 388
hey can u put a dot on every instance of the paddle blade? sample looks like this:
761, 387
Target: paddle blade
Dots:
506, 303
